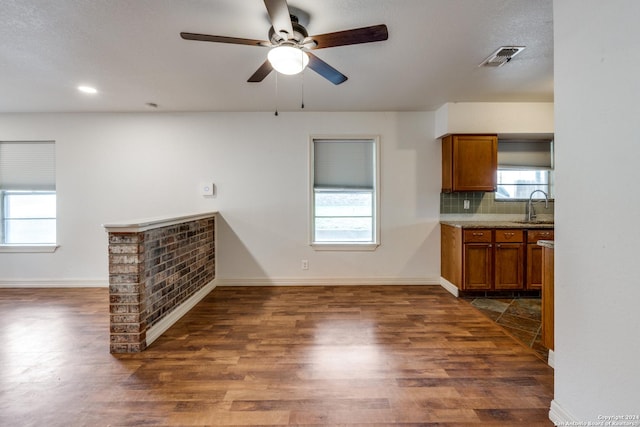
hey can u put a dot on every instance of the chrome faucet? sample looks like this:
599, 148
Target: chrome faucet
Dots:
531, 213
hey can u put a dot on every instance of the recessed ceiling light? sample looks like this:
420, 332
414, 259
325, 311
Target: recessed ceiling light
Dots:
87, 89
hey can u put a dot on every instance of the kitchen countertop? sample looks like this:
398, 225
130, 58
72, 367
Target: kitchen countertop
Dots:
498, 224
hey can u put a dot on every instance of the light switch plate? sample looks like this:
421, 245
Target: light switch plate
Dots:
207, 189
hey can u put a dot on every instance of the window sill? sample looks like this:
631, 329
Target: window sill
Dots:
28, 248
345, 246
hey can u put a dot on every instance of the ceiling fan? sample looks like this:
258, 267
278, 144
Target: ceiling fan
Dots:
288, 37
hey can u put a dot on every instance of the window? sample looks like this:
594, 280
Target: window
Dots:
29, 217
27, 194
345, 198
523, 167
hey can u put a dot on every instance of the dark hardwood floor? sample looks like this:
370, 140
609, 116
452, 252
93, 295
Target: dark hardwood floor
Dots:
367, 355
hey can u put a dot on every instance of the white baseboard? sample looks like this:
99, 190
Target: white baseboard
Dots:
161, 327
325, 281
54, 283
453, 289
560, 417
247, 281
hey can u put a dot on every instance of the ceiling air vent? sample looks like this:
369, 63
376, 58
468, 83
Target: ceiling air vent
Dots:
501, 56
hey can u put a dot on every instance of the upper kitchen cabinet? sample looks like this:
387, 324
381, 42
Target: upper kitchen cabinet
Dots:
469, 163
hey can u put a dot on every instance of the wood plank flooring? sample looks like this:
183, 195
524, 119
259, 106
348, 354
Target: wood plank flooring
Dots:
365, 355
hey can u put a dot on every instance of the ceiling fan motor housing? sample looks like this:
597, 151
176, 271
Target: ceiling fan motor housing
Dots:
297, 38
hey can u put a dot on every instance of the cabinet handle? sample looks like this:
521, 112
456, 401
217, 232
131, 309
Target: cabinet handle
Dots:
509, 234
478, 234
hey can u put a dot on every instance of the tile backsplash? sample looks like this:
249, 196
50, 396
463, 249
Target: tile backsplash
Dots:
485, 203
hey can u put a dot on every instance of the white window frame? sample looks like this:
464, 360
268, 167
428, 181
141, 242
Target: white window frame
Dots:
347, 245
25, 188
528, 163
549, 187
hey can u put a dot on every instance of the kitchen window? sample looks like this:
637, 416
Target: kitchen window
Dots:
27, 196
344, 202
523, 167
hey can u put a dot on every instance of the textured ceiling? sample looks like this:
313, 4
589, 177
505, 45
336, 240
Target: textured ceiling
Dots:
132, 52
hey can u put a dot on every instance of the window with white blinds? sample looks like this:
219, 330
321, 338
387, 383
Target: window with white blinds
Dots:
27, 165
343, 163
27, 193
345, 195
529, 154
523, 167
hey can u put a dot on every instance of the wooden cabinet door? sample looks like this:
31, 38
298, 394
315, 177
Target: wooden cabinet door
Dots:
475, 162
509, 259
547, 298
534, 257
447, 164
509, 266
451, 254
534, 266
477, 266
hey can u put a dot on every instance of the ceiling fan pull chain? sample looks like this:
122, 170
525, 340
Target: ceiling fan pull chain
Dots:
276, 93
302, 91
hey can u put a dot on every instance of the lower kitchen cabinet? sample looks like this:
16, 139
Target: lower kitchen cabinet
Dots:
509, 260
534, 257
477, 257
490, 259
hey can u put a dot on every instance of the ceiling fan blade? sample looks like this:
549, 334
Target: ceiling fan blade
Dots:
374, 33
223, 39
262, 72
280, 17
325, 70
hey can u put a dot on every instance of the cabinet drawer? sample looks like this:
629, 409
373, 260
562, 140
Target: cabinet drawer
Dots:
477, 235
509, 236
534, 235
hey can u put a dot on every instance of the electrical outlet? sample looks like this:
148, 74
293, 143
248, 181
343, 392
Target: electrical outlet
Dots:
305, 264
466, 204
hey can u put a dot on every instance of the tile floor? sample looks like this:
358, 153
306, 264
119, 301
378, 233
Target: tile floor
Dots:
520, 316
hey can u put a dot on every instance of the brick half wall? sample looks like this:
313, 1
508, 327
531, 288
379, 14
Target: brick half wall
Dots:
152, 272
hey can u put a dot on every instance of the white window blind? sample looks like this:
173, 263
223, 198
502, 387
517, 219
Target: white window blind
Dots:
344, 164
344, 200
27, 165
519, 154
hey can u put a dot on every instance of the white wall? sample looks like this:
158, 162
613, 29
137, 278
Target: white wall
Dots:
597, 84
529, 118
113, 167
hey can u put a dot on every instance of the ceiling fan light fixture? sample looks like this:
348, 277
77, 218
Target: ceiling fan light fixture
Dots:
87, 89
288, 59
